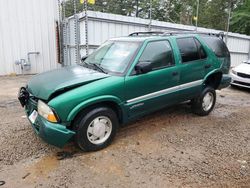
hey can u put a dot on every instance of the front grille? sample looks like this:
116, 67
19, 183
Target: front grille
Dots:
243, 75
36, 125
242, 83
31, 105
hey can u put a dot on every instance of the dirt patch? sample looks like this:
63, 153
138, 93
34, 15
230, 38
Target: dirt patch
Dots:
169, 148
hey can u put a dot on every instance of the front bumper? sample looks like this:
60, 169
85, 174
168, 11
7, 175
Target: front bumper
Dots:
225, 81
240, 81
52, 133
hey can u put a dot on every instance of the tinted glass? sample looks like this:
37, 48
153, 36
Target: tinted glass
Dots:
201, 50
159, 53
188, 49
217, 45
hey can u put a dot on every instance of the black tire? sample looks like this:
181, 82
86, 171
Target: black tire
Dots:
84, 120
197, 103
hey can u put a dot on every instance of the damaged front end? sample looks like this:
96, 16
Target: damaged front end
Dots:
23, 96
53, 133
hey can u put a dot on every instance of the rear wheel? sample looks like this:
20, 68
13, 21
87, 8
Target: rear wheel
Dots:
96, 129
204, 104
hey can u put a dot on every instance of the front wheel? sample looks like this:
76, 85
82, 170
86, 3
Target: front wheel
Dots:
96, 129
204, 104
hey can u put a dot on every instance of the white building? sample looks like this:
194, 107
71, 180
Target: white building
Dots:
28, 26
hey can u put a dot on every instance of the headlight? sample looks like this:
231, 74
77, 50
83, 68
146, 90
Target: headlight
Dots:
45, 111
234, 72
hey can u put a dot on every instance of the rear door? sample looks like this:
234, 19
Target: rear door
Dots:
192, 66
157, 88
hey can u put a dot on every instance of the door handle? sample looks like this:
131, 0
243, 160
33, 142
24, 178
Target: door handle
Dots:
174, 73
208, 66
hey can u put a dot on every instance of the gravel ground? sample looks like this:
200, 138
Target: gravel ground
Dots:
170, 148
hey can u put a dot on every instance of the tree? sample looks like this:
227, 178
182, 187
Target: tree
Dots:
241, 18
212, 13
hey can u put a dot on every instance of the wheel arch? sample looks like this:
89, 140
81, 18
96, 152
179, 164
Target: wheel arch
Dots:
108, 101
213, 79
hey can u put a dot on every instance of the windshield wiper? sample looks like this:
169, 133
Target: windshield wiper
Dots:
99, 67
95, 65
85, 64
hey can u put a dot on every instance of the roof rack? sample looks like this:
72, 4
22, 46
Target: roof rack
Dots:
220, 34
146, 33
143, 33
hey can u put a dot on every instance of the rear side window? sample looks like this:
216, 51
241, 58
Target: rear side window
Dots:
188, 49
217, 45
159, 53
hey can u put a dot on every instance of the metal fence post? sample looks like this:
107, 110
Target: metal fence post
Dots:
197, 15
86, 27
249, 50
150, 16
60, 32
76, 34
64, 38
228, 20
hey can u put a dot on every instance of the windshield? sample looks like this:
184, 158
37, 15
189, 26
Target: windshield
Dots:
113, 56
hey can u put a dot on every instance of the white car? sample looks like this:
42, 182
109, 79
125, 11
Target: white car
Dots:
241, 75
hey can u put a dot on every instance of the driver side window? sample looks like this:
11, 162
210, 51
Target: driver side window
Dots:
159, 53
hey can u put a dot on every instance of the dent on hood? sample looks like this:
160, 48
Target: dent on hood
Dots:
50, 84
61, 90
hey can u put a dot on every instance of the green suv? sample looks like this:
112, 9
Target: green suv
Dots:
125, 78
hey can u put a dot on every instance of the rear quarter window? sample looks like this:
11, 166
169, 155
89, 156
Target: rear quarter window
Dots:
217, 45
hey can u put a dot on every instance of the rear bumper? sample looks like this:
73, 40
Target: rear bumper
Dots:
225, 81
239, 81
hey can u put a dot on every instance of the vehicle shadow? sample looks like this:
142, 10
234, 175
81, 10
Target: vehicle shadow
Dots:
166, 115
243, 89
167, 112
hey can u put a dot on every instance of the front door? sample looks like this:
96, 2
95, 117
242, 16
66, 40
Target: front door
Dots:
154, 89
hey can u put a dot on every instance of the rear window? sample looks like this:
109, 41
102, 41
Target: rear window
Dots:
217, 45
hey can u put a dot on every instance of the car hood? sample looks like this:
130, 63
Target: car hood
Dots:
243, 68
48, 84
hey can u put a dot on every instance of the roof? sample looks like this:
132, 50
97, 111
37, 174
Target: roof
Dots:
142, 36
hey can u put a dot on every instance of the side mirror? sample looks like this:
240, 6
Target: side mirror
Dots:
143, 67
84, 57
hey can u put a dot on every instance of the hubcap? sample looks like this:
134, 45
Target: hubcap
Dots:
99, 130
207, 102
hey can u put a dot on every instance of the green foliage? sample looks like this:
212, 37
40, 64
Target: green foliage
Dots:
69, 7
241, 18
212, 13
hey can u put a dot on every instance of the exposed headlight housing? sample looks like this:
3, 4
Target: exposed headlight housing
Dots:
45, 111
234, 72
